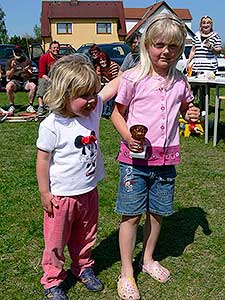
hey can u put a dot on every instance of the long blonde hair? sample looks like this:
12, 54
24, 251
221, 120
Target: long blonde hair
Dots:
71, 76
171, 30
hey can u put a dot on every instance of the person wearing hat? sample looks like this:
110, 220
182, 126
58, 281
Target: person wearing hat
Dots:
18, 74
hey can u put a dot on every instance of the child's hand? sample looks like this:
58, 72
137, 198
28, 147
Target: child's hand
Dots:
192, 113
48, 201
135, 145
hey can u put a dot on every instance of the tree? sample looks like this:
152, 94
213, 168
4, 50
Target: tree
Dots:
23, 41
37, 33
3, 30
15, 40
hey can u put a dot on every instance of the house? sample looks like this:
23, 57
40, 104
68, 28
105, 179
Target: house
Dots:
137, 18
78, 22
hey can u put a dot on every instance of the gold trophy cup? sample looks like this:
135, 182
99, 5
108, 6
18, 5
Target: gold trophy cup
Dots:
138, 132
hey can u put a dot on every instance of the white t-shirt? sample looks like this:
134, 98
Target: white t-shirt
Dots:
76, 164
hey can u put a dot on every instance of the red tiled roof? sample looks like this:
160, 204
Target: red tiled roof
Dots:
134, 13
138, 13
183, 13
82, 10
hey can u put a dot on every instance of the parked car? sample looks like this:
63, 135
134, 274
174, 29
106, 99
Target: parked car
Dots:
183, 61
6, 51
35, 51
66, 49
116, 51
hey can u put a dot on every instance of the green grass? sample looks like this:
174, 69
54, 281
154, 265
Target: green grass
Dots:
191, 242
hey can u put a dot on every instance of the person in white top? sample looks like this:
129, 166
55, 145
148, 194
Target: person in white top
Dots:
69, 166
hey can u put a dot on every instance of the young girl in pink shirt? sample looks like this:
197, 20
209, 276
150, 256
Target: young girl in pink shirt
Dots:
152, 95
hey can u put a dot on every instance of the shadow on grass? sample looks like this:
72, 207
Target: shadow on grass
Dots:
177, 232
18, 107
220, 130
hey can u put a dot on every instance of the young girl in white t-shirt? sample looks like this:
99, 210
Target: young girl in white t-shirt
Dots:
69, 166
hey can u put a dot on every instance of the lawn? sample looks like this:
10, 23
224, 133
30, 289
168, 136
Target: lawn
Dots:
191, 242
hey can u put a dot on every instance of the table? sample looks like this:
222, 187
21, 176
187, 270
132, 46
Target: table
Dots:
217, 82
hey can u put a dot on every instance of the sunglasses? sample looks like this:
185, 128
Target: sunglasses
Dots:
206, 17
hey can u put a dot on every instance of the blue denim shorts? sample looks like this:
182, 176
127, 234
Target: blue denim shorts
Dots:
146, 189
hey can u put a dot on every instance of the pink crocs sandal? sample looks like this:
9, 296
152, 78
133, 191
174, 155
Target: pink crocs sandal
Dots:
127, 289
156, 271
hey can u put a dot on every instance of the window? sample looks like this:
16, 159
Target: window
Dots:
104, 28
64, 28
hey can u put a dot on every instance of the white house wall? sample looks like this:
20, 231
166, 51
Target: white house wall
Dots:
130, 24
188, 23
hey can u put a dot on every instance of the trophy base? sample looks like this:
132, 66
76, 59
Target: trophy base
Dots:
140, 155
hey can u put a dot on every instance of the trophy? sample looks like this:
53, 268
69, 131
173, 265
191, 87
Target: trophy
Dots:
138, 132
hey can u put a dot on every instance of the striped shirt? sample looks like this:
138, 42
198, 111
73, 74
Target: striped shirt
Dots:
108, 73
205, 59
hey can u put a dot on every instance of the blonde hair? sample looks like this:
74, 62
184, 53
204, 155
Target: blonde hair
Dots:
170, 30
71, 76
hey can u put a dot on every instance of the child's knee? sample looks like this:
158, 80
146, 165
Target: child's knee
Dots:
131, 220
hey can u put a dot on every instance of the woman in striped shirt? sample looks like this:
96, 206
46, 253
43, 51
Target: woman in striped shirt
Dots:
206, 47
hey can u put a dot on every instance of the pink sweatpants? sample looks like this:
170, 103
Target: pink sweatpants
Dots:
74, 224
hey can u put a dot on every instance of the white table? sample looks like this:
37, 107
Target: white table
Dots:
217, 82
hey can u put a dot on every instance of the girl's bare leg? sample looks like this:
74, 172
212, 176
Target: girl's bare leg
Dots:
151, 232
127, 239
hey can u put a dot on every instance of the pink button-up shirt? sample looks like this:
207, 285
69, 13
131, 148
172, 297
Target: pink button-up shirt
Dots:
157, 107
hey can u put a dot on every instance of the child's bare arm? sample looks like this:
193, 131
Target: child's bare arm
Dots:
110, 89
120, 124
190, 112
42, 170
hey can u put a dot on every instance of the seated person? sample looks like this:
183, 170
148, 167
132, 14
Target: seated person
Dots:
94, 52
18, 74
45, 63
107, 70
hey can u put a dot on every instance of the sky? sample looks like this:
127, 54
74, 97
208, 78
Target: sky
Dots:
23, 15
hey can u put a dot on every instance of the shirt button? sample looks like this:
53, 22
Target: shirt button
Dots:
162, 127
162, 107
